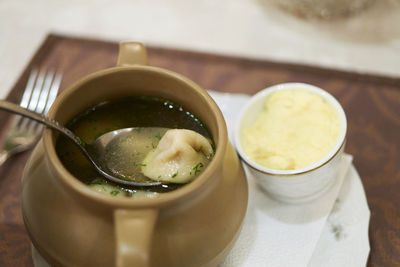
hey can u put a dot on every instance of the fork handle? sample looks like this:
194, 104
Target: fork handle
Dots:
4, 155
11, 107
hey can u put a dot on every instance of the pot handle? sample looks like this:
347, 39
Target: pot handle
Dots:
133, 234
131, 53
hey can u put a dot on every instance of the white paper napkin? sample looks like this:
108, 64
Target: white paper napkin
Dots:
344, 240
278, 234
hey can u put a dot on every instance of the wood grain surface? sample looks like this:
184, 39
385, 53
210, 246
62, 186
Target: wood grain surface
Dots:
372, 105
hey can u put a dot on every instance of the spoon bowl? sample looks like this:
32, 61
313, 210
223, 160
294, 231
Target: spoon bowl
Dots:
96, 152
122, 151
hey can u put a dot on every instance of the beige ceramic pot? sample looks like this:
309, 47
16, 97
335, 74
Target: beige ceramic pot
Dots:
196, 225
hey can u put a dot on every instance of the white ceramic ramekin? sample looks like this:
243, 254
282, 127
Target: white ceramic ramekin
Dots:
293, 186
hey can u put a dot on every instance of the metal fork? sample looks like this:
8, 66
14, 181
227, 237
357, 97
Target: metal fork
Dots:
40, 93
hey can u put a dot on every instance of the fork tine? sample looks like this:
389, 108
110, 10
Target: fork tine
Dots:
44, 94
27, 95
46, 98
36, 91
35, 128
34, 100
53, 91
28, 89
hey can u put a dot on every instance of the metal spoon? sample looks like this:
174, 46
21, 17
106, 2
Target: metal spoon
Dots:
94, 152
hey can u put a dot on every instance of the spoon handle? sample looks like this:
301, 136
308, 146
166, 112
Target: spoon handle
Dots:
87, 150
11, 107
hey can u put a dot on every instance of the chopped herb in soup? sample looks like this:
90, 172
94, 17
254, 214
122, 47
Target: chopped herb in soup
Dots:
174, 155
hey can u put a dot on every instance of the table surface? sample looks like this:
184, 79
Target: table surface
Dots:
372, 105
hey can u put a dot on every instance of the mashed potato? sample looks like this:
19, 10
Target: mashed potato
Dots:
295, 129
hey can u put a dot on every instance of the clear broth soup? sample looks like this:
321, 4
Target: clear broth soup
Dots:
141, 111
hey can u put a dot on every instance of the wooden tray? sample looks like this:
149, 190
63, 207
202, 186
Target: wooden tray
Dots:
372, 105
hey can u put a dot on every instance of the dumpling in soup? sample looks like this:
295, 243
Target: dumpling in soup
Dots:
179, 157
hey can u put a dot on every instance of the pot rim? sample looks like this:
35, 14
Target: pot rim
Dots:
75, 185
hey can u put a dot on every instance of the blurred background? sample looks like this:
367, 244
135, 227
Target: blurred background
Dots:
357, 35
